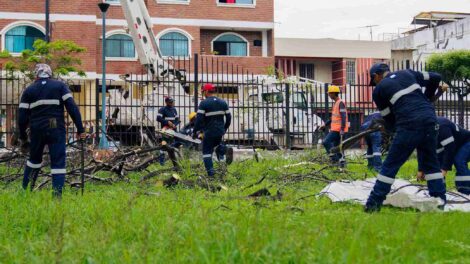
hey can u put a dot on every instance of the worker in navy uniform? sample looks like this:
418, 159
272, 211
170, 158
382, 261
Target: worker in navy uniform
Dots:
42, 109
374, 143
213, 119
453, 147
410, 113
169, 119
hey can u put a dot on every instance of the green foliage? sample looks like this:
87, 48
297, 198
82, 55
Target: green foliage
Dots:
145, 223
453, 65
61, 55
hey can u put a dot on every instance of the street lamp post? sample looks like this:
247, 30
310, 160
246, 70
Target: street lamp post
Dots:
103, 141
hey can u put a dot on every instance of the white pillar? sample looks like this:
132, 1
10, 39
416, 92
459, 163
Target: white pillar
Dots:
265, 43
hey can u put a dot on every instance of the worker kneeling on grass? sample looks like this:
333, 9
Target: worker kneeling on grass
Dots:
374, 143
453, 147
213, 118
168, 118
408, 111
339, 124
42, 108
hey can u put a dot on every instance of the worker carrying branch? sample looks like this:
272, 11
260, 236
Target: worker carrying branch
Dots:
374, 142
339, 123
42, 109
213, 119
169, 119
409, 112
453, 147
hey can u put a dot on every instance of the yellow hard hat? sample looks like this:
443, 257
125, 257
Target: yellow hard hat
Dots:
192, 115
333, 89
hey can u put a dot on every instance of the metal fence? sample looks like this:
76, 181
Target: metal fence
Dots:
266, 113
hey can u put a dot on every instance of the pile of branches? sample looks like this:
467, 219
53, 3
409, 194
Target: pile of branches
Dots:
118, 165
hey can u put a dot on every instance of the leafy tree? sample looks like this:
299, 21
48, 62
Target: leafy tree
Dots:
454, 66
61, 55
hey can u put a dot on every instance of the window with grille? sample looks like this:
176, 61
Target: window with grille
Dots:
307, 70
22, 38
174, 44
350, 71
120, 46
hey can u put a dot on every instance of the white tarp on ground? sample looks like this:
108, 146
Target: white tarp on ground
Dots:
403, 195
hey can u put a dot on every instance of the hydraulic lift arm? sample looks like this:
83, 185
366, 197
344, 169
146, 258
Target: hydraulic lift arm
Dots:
140, 27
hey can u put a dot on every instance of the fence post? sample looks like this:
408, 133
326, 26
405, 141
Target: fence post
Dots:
327, 109
461, 110
97, 111
196, 81
287, 95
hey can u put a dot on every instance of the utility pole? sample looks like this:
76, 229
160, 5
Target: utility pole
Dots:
103, 141
371, 32
48, 37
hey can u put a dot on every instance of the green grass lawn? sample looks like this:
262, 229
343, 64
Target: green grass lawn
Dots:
147, 223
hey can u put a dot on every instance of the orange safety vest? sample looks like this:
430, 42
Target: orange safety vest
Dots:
336, 117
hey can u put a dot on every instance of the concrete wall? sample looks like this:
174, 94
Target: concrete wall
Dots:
434, 40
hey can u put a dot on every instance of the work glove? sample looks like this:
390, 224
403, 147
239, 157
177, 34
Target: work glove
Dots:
25, 146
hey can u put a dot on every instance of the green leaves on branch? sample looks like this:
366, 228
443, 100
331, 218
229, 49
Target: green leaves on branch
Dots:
61, 55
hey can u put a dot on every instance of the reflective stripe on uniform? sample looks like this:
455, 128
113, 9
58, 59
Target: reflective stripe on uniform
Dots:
462, 178
207, 156
377, 154
434, 176
425, 76
215, 113
159, 115
385, 179
403, 92
201, 111
45, 102
67, 96
170, 118
32, 165
385, 112
24, 105
447, 141
342, 110
439, 150
58, 171
369, 156
227, 112
457, 128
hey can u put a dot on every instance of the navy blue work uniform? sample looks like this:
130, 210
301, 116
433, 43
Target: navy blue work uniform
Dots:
409, 112
167, 114
213, 118
374, 143
42, 108
453, 147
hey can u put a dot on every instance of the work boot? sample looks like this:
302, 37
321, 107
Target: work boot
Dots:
368, 208
229, 156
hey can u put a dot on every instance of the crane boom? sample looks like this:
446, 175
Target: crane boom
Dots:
140, 27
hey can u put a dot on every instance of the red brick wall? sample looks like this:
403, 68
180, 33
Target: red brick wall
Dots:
339, 72
206, 9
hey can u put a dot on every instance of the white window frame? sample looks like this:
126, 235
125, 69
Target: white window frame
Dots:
236, 5
236, 34
177, 30
173, 2
118, 3
121, 32
10, 26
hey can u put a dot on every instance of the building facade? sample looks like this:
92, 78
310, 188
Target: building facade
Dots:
435, 32
329, 60
239, 32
